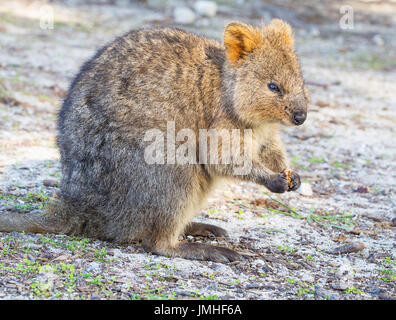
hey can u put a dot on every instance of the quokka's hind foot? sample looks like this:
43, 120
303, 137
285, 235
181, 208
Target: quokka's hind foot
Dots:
204, 229
200, 251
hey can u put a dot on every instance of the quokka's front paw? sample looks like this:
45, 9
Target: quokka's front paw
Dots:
293, 179
277, 183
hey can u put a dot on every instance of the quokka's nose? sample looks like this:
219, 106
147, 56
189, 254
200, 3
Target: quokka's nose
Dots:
299, 117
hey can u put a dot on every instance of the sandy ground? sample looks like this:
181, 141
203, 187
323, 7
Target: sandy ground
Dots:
336, 243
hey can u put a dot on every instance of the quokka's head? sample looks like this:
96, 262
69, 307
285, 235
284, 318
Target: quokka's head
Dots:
267, 85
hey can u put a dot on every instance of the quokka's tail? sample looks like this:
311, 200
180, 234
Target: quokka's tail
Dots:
57, 218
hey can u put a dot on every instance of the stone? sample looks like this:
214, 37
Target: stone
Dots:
378, 40
51, 183
348, 248
93, 267
183, 15
305, 189
205, 8
340, 286
325, 294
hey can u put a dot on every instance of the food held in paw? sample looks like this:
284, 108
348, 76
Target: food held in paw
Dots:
288, 175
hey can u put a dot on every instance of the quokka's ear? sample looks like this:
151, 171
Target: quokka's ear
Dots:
279, 34
239, 40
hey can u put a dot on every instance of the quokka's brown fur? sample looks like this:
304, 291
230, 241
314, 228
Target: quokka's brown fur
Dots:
142, 81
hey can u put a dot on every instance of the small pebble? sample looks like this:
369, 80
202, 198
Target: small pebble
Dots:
378, 40
340, 286
308, 277
31, 258
183, 15
94, 296
252, 286
305, 189
385, 296
348, 248
322, 104
326, 294
93, 267
51, 183
206, 8
374, 216
33, 246
363, 189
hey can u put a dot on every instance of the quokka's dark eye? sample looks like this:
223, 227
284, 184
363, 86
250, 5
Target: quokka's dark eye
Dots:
273, 87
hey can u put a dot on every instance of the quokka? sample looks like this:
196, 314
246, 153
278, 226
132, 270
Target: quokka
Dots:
142, 81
